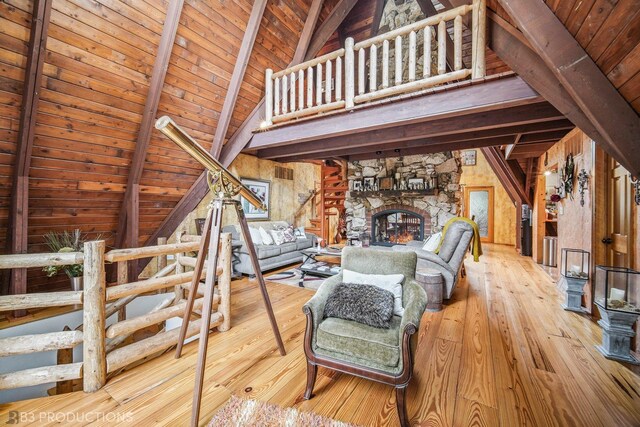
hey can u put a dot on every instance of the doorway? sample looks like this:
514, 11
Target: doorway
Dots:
478, 202
618, 238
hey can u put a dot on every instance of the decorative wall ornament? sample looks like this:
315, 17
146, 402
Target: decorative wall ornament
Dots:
567, 176
636, 185
583, 179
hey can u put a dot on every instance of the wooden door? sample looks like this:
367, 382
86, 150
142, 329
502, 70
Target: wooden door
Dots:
618, 238
478, 202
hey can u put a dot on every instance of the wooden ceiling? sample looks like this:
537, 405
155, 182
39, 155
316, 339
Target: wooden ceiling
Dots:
97, 70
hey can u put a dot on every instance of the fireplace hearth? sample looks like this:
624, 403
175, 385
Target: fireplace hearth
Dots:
396, 227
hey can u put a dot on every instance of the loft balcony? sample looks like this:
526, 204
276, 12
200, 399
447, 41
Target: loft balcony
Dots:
404, 61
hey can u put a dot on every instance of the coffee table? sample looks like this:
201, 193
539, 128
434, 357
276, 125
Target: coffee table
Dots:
310, 265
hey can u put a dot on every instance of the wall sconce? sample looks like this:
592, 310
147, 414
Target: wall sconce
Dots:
636, 185
583, 178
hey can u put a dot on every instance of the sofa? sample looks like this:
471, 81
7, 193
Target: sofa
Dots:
449, 260
269, 256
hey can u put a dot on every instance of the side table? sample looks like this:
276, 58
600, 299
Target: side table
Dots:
431, 281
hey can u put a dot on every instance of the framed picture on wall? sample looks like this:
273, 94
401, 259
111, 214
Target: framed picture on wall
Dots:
262, 189
469, 157
386, 183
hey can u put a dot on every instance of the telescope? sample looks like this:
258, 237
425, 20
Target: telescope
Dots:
224, 186
226, 181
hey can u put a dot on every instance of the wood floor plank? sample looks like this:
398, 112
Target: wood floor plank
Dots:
502, 352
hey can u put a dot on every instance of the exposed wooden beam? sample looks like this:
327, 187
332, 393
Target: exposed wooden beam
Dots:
242, 136
429, 9
448, 128
237, 77
604, 106
127, 233
385, 142
377, 17
505, 174
514, 49
529, 177
19, 212
432, 148
329, 26
488, 96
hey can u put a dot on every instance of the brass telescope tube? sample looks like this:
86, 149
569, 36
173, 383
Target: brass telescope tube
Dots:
168, 127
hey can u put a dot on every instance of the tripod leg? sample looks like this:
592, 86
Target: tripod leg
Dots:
206, 310
256, 269
204, 244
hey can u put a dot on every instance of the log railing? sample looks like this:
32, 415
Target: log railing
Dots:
103, 349
380, 67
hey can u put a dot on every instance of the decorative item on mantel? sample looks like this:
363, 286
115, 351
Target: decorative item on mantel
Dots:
616, 295
583, 179
636, 187
575, 265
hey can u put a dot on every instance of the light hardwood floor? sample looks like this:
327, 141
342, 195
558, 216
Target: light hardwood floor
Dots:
501, 353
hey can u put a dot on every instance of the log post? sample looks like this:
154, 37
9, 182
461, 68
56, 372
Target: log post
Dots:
442, 47
412, 56
276, 97
327, 81
478, 38
94, 356
385, 64
457, 43
292, 88
426, 58
122, 279
373, 68
301, 89
224, 282
361, 64
285, 94
349, 73
338, 85
319, 84
178, 290
268, 97
398, 69
309, 87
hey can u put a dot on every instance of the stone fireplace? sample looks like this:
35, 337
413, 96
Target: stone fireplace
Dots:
397, 224
396, 216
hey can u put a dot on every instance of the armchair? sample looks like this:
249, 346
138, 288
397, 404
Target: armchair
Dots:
449, 260
383, 355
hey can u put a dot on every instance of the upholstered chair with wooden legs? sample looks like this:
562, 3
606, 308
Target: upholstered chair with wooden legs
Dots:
383, 355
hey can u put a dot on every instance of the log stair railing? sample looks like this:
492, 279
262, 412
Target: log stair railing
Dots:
376, 68
109, 350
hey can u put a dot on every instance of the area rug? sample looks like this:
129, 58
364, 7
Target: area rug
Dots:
292, 276
252, 413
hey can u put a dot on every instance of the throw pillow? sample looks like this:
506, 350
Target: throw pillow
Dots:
266, 238
278, 236
300, 234
432, 242
289, 234
366, 304
256, 238
388, 282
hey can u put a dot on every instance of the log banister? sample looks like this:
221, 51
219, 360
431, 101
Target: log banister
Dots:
103, 350
332, 68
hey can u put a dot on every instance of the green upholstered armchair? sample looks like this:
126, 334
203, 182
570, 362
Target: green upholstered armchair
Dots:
384, 355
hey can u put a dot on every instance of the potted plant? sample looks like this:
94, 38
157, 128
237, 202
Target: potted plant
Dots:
66, 242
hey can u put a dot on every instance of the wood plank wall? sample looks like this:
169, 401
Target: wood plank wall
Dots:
610, 33
96, 75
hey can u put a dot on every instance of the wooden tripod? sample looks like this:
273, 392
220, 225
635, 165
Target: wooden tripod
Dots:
213, 225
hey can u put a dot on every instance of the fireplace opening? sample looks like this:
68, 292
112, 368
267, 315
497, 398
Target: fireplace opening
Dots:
396, 227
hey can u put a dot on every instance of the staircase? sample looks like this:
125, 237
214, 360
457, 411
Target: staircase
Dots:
330, 198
